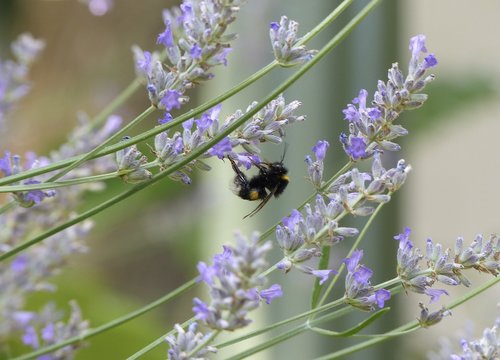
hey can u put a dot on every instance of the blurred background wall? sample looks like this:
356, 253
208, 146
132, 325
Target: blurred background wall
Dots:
150, 244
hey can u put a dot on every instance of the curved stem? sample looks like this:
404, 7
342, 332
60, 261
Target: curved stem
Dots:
408, 326
194, 112
199, 151
353, 247
99, 147
58, 184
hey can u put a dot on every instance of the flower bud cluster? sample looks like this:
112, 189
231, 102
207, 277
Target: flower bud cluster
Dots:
14, 82
301, 236
234, 279
266, 125
131, 164
46, 328
358, 290
372, 128
487, 347
442, 265
187, 341
284, 42
195, 41
31, 270
466, 347
11, 165
427, 318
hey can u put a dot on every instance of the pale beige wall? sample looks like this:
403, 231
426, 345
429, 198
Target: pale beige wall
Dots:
455, 185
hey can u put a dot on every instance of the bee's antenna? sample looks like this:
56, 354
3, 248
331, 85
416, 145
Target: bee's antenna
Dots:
284, 152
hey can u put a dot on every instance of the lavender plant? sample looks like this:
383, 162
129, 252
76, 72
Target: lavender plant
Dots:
46, 192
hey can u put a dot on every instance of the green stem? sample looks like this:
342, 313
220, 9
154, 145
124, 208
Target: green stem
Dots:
407, 326
201, 345
199, 151
99, 147
110, 325
192, 113
297, 330
346, 167
58, 184
117, 102
353, 247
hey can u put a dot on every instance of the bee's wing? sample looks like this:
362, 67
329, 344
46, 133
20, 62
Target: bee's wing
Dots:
262, 203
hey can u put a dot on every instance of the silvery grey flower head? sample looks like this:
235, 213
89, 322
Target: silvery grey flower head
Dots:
480, 255
267, 125
427, 318
14, 82
186, 341
285, 43
301, 236
408, 268
487, 347
392, 179
442, 266
233, 279
131, 163
372, 127
449, 268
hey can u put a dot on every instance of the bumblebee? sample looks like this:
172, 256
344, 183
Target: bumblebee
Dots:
271, 180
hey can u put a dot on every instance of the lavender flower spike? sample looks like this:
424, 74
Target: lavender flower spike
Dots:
186, 341
315, 168
372, 123
234, 279
131, 163
284, 42
195, 41
359, 292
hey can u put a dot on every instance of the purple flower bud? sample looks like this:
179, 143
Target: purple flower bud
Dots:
48, 332
430, 61
323, 275
207, 273
200, 309
274, 26
381, 296
357, 148
291, 221
171, 100
195, 52
320, 149
271, 293
5, 165
166, 38
354, 260
434, 294
351, 114
417, 45
31, 338
221, 148
165, 118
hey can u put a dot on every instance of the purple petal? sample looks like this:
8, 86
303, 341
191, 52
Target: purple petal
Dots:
271, 293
